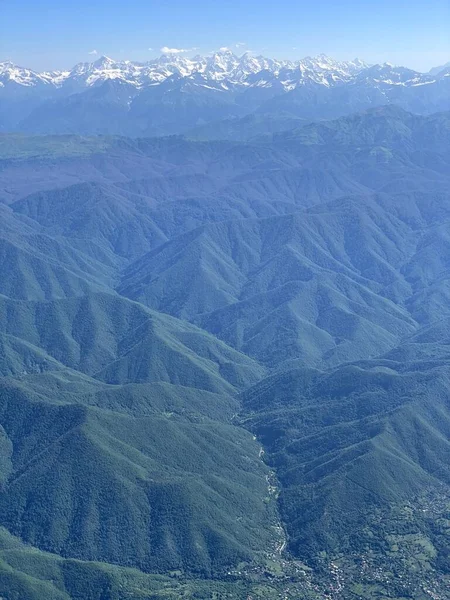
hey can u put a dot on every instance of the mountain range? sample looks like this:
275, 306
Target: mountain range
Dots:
175, 94
224, 363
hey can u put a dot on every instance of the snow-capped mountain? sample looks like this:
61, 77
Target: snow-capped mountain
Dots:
388, 74
223, 66
220, 66
11, 74
175, 93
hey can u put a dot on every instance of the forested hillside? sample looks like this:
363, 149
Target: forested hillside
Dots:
224, 363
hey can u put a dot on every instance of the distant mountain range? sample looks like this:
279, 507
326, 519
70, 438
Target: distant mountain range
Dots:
223, 66
175, 94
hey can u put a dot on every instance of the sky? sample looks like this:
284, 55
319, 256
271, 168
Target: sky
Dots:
56, 34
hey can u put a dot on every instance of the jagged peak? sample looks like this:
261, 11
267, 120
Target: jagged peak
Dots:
104, 61
221, 65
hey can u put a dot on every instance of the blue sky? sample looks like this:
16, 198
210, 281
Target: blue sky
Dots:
50, 34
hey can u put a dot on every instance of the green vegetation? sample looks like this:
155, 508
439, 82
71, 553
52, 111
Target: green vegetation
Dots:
330, 435
224, 366
162, 487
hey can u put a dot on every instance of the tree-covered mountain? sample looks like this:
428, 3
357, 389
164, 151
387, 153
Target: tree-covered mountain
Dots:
224, 362
329, 434
158, 489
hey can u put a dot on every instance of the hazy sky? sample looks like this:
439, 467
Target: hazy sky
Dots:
53, 34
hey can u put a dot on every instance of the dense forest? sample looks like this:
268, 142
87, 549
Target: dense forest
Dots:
225, 363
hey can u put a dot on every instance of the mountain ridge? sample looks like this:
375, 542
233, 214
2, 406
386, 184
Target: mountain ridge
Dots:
175, 94
222, 65
224, 364
217, 66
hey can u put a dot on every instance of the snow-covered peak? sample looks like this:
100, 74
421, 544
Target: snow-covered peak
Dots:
222, 67
326, 65
11, 73
103, 69
318, 70
388, 74
104, 62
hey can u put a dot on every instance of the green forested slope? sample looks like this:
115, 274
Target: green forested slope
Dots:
301, 274
331, 436
120, 341
224, 365
155, 491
